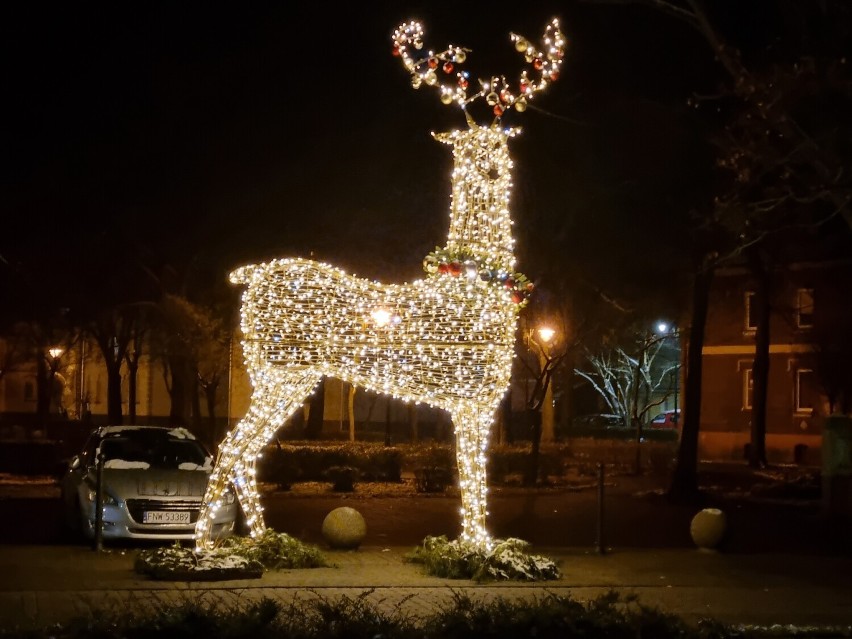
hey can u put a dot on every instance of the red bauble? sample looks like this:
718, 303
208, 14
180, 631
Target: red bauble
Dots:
443, 268
538, 64
395, 51
448, 67
554, 75
462, 83
524, 86
498, 110
517, 298
509, 283
433, 63
455, 269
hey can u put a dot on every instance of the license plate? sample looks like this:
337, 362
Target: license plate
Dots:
165, 517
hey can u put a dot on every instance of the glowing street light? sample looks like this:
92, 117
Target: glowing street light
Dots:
55, 352
546, 334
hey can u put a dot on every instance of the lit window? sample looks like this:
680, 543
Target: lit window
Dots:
805, 391
748, 388
750, 319
805, 307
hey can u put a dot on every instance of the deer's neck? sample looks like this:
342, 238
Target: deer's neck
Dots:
480, 224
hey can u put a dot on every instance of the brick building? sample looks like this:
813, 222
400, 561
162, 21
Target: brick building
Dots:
808, 300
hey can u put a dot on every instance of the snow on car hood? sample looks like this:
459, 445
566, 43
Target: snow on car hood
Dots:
125, 482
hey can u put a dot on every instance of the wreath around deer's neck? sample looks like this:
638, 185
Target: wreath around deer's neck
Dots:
462, 264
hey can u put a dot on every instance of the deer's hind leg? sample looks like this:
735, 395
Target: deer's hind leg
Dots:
276, 396
472, 423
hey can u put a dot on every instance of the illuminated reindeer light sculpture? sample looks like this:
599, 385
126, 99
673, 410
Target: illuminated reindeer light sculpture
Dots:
446, 340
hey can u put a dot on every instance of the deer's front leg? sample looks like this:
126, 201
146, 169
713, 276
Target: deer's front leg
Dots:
273, 401
472, 426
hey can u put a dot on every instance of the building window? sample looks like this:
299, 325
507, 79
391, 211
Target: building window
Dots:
805, 391
750, 319
748, 388
805, 308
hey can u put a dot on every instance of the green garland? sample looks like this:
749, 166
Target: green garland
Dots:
455, 264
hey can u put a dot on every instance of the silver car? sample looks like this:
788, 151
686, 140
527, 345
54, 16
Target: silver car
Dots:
154, 479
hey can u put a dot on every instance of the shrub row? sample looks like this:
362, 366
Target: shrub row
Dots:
285, 464
550, 617
434, 465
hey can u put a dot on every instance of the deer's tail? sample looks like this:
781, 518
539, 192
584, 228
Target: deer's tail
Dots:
243, 274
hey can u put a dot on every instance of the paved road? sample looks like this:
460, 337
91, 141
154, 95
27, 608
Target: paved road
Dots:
555, 518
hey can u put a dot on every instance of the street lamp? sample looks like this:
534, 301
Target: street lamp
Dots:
55, 352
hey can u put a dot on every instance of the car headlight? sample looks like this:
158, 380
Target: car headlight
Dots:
108, 499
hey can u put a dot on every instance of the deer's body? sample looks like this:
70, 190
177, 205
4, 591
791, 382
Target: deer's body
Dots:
428, 350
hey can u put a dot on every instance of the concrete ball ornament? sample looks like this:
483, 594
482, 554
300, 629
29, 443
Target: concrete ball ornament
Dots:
344, 528
708, 528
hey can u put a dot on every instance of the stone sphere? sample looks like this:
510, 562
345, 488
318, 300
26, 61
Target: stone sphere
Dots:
708, 528
344, 527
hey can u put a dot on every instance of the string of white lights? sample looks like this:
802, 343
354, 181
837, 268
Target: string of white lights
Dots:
446, 340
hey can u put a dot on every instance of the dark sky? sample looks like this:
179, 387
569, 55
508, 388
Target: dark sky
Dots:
246, 131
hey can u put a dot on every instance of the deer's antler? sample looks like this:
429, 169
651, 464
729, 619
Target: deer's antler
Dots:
443, 70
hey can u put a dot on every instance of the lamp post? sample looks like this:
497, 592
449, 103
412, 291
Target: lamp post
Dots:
548, 432
670, 331
55, 353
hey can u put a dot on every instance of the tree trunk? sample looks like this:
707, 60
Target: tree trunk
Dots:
634, 411
351, 412
44, 382
210, 391
414, 435
760, 370
177, 413
534, 420
195, 399
685, 478
506, 421
387, 422
113, 392
132, 372
316, 414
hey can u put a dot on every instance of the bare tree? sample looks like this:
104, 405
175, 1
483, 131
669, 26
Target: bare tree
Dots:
782, 114
631, 381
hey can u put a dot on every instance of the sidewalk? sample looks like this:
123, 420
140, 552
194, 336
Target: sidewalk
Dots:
46, 584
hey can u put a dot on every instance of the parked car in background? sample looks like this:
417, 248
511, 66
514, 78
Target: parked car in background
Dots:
666, 419
154, 480
598, 420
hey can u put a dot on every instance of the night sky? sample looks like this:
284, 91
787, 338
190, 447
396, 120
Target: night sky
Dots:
234, 133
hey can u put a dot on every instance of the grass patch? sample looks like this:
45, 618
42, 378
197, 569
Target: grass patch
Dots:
274, 551
235, 558
509, 560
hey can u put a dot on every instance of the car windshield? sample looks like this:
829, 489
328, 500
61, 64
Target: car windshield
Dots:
152, 448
